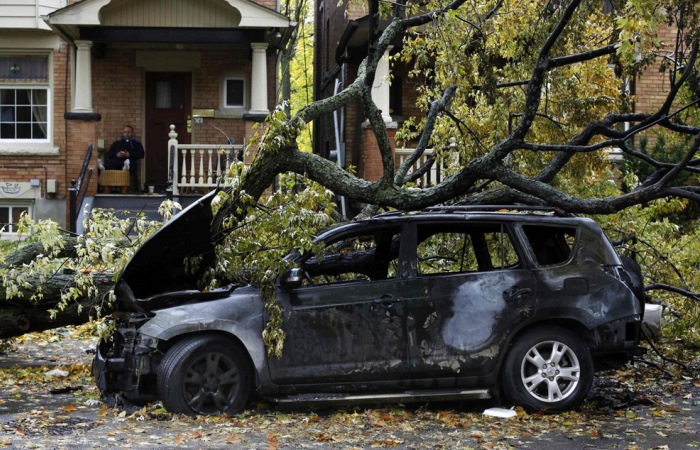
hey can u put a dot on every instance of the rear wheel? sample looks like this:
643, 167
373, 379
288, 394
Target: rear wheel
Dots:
204, 375
548, 369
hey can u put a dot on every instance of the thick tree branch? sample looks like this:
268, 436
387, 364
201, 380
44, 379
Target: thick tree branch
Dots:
436, 108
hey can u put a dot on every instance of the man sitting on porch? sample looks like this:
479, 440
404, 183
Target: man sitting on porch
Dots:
124, 153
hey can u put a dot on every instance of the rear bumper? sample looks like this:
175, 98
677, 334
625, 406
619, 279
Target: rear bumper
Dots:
615, 342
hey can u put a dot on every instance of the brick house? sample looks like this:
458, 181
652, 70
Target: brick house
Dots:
74, 72
341, 37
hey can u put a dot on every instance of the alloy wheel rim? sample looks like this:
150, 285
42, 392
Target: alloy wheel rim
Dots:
550, 371
211, 383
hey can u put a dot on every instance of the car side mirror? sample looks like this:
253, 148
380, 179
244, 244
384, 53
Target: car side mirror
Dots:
293, 278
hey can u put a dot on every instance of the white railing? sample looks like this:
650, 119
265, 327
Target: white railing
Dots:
198, 168
432, 177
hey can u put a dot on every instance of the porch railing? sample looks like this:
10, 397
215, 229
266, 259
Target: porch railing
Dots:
76, 193
431, 177
198, 168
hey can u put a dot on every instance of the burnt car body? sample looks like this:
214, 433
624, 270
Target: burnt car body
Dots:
438, 304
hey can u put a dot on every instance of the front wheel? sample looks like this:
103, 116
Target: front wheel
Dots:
204, 375
547, 369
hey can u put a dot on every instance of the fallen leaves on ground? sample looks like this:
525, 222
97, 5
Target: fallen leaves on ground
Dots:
623, 405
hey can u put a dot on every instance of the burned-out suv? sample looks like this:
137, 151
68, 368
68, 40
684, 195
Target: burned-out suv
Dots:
445, 303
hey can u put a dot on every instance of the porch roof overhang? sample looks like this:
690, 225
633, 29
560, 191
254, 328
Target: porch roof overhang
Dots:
352, 45
231, 22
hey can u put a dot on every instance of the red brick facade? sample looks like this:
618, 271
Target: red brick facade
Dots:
652, 86
118, 98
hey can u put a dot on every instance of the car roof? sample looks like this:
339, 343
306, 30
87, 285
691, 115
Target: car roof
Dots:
500, 213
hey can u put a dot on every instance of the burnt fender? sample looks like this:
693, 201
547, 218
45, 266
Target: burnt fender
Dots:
240, 316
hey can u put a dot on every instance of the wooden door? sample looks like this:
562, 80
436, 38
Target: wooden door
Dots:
168, 101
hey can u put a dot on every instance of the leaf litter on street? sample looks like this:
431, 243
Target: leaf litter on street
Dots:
40, 407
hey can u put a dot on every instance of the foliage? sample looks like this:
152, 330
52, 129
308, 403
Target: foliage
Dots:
254, 251
479, 51
664, 148
106, 245
302, 71
297, 66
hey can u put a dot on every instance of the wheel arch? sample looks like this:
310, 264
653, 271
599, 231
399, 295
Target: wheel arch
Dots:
572, 325
235, 341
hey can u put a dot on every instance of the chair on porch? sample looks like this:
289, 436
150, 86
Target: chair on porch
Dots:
115, 179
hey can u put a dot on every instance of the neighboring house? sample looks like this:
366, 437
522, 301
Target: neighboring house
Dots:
341, 37
73, 73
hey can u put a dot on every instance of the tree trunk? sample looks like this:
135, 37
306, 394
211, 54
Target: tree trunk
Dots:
22, 315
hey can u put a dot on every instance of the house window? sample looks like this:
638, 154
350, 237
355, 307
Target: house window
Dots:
234, 93
24, 98
9, 217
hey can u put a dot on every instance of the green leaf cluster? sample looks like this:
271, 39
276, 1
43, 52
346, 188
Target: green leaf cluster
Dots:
104, 248
254, 252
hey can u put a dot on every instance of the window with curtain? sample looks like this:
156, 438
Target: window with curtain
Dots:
24, 98
10, 215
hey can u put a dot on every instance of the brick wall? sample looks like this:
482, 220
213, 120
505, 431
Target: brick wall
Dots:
371, 162
25, 166
651, 87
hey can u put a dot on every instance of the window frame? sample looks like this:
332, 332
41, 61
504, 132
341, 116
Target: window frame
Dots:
46, 86
533, 252
224, 91
10, 205
379, 237
473, 228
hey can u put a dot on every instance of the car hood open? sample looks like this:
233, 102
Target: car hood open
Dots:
159, 265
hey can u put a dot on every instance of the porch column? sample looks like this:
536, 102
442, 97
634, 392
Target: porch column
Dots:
258, 80
83, 77
380, 87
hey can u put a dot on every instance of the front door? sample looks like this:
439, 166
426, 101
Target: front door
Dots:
348, 322
168, 102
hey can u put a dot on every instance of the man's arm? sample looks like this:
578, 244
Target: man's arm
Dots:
137, 150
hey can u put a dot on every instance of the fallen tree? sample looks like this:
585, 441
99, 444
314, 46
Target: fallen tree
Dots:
528, 111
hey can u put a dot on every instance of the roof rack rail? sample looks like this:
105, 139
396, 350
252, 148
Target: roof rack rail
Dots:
508, 208
486, 208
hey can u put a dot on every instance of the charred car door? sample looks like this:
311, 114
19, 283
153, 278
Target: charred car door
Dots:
473, 289
346, 323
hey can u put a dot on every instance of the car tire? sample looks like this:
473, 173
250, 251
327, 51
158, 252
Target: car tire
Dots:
204, 375
547, 369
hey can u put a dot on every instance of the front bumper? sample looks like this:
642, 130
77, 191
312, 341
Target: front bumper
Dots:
124, 365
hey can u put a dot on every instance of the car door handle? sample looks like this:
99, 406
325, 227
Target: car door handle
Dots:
385, 300
518, 292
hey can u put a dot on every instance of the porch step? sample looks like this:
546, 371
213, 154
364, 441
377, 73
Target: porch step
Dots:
322, 399
130, 205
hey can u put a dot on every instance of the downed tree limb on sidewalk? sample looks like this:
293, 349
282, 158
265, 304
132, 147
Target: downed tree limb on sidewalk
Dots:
22, 315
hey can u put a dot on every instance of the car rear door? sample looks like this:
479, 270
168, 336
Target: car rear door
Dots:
471, 288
